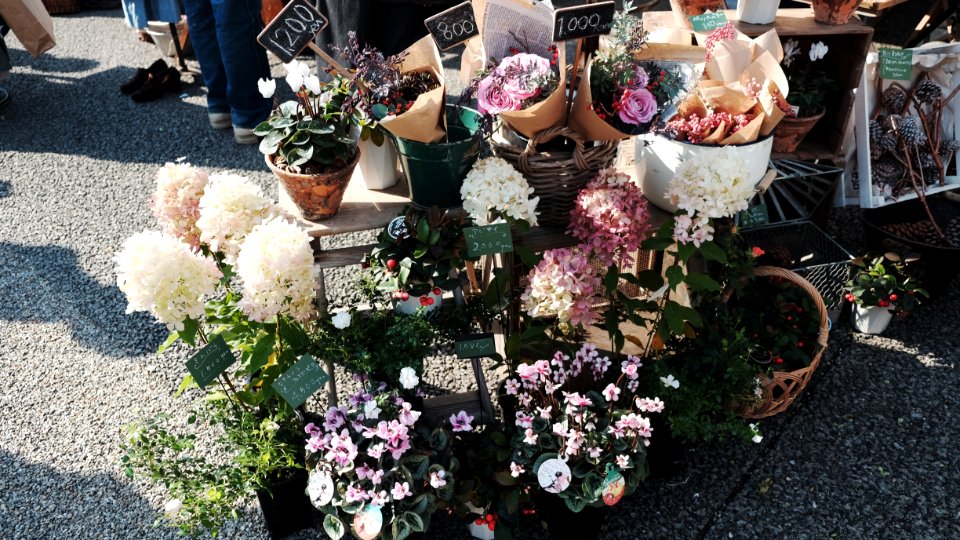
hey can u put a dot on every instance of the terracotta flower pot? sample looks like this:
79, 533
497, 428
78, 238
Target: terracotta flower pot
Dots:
684, 9
791, 131
834, 11
318, 196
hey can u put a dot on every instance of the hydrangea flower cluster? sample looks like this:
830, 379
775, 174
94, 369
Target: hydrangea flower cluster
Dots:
584, 409
493, 186
176, 201
275, 265
563, 284
610, 217
705, 187
518, 82
164, 277
231, 206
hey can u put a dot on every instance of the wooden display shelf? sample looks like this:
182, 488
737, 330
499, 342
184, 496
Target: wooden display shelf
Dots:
870, 8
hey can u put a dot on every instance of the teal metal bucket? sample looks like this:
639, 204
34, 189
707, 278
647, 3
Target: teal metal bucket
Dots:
435, 171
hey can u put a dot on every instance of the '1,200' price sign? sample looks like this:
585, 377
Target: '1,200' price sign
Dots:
583, 21
292, 30
453, 26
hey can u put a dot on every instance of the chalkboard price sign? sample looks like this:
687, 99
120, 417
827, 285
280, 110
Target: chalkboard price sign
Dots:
755, 215
210, 361
475, 346
488, 239
708, 22
896, 64
292, 30
300, 381
453, 26
583, 21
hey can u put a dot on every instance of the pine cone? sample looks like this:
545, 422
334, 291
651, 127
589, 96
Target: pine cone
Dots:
876, 132
949, 147
886, 170
894, 99
928, 92
889, 142
926, 161
911, 130
892, 121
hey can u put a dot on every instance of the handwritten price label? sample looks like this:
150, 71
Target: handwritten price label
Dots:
708, 22
583, 21
300, 381
210, 361
476, 346
755, 215
488, 239
454, 26
292, 30
896, 64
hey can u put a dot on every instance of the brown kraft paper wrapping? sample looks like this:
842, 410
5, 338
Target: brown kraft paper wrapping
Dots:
424, 121
31, 24
542, 115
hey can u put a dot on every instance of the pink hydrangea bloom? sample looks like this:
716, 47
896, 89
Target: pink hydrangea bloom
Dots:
610, 218
176, 201
565, 285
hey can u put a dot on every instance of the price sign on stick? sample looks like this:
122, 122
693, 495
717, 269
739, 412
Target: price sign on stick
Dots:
896, 64
583, 21
475, 346
300, 381
488, 239
210, 361
708, 22
293, 29
453, 26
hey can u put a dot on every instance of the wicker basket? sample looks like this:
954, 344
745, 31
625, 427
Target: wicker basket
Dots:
557, 177
62, 7
784, 386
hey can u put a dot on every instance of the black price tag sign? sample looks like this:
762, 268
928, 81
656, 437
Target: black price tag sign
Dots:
292, 30
755, 215
583, 21
300, 381
210, 361
488, 239
454, 26
476, 346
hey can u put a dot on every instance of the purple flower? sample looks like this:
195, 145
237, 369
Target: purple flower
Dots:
521, 74
640, 79
461, 422
492, 98
637, 106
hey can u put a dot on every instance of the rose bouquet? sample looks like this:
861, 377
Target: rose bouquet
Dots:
581, 428
376, 471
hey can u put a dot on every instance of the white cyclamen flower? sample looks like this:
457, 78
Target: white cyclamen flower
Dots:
173, 506
757, 437
275, 266
790, 51
818, 50
164, 277
408, 378
297, 72
267, 87
341, 320
669, 382
371, 411
312, 82
230, 208
494, 185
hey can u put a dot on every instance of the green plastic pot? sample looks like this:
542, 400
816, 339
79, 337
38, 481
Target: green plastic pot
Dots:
435, 171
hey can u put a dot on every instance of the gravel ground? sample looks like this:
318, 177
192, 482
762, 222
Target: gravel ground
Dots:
869, 451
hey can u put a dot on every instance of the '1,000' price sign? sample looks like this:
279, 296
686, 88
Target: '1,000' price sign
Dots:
292, 30
583, 21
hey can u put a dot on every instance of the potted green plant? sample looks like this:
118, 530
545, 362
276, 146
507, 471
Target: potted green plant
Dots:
419, 255
307, 142
880, 288
809, 89
835, 12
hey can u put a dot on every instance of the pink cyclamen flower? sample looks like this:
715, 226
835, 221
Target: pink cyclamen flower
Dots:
594, 452
400, 491
461, 422
493, 99
650, 405
377, 498
437, 480
524, 420
377, 477
623, 461
637, 107
408, 416
516, 470
512, 386
376, 450
611, 392
355, 494
530, 436
630, 370
577, 400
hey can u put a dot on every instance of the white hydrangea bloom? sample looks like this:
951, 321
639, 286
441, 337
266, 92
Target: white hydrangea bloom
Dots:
164, 277
176, 200
494, 185
230, 208
712, 187
275, 266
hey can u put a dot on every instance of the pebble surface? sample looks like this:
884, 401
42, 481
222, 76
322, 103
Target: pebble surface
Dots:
868, 451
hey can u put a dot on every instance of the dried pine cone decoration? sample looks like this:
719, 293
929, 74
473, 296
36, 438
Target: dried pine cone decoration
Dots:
889, 142
876, 132
894, 99
928, 92
911, 130
892, 121
886, 171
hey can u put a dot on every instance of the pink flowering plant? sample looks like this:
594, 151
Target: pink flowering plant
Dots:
374, 452
516, 82
563, 285
587, 410
610, 218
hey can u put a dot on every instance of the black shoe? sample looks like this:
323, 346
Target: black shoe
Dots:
140, 77
157, 85
4, 98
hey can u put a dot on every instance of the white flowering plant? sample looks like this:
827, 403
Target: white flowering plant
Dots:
494, 190
311, 134
809, 87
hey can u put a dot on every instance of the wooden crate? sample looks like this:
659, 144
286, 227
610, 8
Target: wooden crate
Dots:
849, 45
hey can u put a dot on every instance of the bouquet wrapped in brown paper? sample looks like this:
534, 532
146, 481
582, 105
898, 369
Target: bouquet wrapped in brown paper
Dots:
741, 95
404, 92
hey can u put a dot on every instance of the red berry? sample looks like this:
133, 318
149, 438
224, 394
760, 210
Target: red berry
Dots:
489, 518
789, 318
437, 291
430, 301
423, 300
799, 344
404, 296
799, 310
778, 360
490, 526
391, 264
479, 521
893, 298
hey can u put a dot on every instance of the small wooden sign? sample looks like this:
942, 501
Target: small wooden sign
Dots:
754, 216
475, 346
210, 361
454, 26
583, 21
300, 381
708, 22
896, 64
488, 239
292, 30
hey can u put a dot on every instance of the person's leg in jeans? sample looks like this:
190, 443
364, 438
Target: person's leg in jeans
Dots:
4, 63
203, 35
245, 61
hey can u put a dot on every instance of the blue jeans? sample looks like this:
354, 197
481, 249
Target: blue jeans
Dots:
224, 36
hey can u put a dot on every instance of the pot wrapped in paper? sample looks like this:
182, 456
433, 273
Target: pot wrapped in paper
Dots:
423, 122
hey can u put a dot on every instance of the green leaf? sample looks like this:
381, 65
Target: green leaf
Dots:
171, 339
189, 332
417, 464
657, 243
294, 336
611, 279
685, 251
400, 529
379, 111
712, 252
333, 527
423, 231
528, 257
261, 352
675, 315
650, 280
674, 276
575, 504
592, 486
504, 478
187, 382
416, 523
439, 440
702, 282
299, 138
262, 128
299, 155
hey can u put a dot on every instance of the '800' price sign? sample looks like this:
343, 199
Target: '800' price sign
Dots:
453, 26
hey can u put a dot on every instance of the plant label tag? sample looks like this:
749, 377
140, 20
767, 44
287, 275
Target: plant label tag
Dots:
320, 488
300, 381
896, 64
397, 228
210, 361
454, 26
488, 239
613, 487
554, 476
292, 30
475, 346
708, 22
368, 522
583, 21
754, 216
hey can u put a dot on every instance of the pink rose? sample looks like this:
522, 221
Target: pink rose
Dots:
637, 106
522, 74
493, 99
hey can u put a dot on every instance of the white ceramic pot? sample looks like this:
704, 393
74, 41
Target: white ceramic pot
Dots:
412, 304
483, 532
757, 11
658, 158
870, 320
379, 165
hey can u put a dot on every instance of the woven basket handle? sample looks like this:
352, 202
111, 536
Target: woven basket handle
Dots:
548, 135
799, 281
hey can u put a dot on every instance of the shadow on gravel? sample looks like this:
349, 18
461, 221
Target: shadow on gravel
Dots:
5, 189
51, 62
44, 284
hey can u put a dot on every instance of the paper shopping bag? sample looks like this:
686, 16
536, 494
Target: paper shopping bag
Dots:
31, 24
